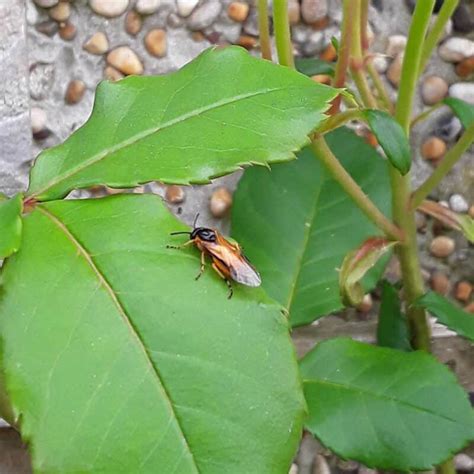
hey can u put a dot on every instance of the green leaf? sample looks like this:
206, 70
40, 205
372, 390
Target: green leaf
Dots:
463, 110
10, 225
385, 408
391, 138
297, 224
448, 314
223, 110
392, 329
356, 264
314, 66
118, 361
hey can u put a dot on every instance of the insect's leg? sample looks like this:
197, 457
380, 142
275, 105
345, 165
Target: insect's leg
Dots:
227, 282
179, 247
203, 266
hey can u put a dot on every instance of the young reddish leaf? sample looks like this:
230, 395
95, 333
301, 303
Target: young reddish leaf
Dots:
460, 222
356, 264
391, 138
463, 110
448, 314
10, 224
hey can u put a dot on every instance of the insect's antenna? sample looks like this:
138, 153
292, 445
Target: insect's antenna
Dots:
178, 233
195, 220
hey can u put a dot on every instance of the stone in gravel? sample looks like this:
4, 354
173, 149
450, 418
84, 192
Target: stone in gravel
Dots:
471, 211
60, 12
38, 120
48, 27
463, 91
41, 80
314, 44
133, 23
463, 18
462, 462
75, 91
221, 202
147, 7
97, 43
67, 31
125, 60
420, 222
365, 307
442, 246
394, 71
175, 194
463, 291
247, 42
347, 466
174, 20
322, 79
109, 8
186, 7
465, 68
457, 203
294, 12
251, 25
329, 54
380, 63
320, 465
293, 469
433, 148
155, 42
396, 44
111, 74
433, 89
454, 50
314, 10
469, 309
440, 283
204, 15
46, 3
238, 11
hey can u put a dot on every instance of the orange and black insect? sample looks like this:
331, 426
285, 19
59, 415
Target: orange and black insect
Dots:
227, 257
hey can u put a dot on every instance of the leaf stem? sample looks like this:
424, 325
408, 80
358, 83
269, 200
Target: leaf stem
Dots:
437, 30
401, 189
379, 85
424, 115
453, 155
282, 33
343, 53
336, 121
357, 61
264, 30
338, 172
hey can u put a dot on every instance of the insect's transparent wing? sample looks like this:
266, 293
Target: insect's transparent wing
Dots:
242, 272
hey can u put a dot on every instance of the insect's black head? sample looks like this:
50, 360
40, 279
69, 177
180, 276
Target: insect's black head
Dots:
204, 233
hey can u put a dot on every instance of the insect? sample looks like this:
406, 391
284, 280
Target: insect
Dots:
227, 258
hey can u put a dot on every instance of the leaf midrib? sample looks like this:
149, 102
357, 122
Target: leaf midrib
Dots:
381, 396
160, 127
120, 308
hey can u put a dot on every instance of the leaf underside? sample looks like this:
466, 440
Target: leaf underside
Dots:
383, 407
449, 314
118, 361
223, 110
297, 224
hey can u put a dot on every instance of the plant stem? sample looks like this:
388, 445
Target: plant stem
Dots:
336, 121
264, 30
357, 61
282, 33
447, 467
401, 189
338, 172
343, 53
437, 30
379, 85
424, 115
453, 155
